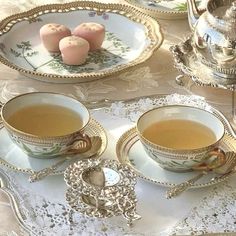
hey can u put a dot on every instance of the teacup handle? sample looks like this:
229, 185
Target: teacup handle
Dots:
81, 144
219, 160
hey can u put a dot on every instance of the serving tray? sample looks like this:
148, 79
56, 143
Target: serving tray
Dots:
131, 38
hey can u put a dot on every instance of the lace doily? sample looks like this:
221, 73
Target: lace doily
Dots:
133, 110
46, 213
43, 217
215, 213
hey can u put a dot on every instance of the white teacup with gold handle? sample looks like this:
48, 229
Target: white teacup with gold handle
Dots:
180, 137
46, 125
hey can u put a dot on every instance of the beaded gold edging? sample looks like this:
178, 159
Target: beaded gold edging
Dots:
159, 14
153, 33
130, 137
94, 128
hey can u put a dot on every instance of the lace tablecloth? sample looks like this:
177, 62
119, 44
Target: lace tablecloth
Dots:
194, 212
43, 207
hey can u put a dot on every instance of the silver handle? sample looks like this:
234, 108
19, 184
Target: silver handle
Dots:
38, 175
180, 188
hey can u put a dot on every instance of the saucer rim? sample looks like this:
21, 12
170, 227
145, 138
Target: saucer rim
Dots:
92, 123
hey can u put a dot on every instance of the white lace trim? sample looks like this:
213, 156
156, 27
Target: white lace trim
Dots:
215, 213
46, 218
133, 110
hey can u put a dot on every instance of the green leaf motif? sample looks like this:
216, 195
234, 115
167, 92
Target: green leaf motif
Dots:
52, 151
2, 48
132, 162
19, 46
181, 7
33, 53
26, 44
25, 51
15, 53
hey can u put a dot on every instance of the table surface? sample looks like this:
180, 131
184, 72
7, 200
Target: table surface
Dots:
155, 76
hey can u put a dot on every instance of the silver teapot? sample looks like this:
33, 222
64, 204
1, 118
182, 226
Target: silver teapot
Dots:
214, 36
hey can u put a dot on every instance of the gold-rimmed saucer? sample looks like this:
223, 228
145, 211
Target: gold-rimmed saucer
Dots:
130, 151
14, 158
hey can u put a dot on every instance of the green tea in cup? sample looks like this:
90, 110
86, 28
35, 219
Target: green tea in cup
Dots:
46, 125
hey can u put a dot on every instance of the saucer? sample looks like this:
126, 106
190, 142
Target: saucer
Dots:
14, 158
130, 151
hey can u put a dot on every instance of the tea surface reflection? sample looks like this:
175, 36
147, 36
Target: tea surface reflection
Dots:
46, 120
179, 134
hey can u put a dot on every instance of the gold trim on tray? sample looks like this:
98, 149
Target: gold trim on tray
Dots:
153, 33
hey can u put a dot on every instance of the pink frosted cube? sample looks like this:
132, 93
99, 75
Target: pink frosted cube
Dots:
74, 50
93, 32
51, 34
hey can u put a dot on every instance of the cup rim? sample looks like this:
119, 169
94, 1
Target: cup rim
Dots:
172, 150
8, 126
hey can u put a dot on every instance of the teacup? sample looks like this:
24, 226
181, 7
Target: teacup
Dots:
46, 125
180, 157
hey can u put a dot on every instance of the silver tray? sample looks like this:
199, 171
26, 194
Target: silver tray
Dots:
9, 190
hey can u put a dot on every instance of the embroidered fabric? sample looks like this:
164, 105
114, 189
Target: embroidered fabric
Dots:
45, 213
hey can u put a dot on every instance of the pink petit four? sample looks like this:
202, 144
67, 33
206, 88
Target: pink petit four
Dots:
74, 50
51, 34
93, 32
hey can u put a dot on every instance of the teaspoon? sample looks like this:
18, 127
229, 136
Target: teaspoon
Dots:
219, 168
40, 174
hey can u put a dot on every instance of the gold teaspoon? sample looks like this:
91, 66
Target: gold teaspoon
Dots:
205, 168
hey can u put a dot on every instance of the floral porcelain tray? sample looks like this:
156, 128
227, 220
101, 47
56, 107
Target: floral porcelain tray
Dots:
131, 38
